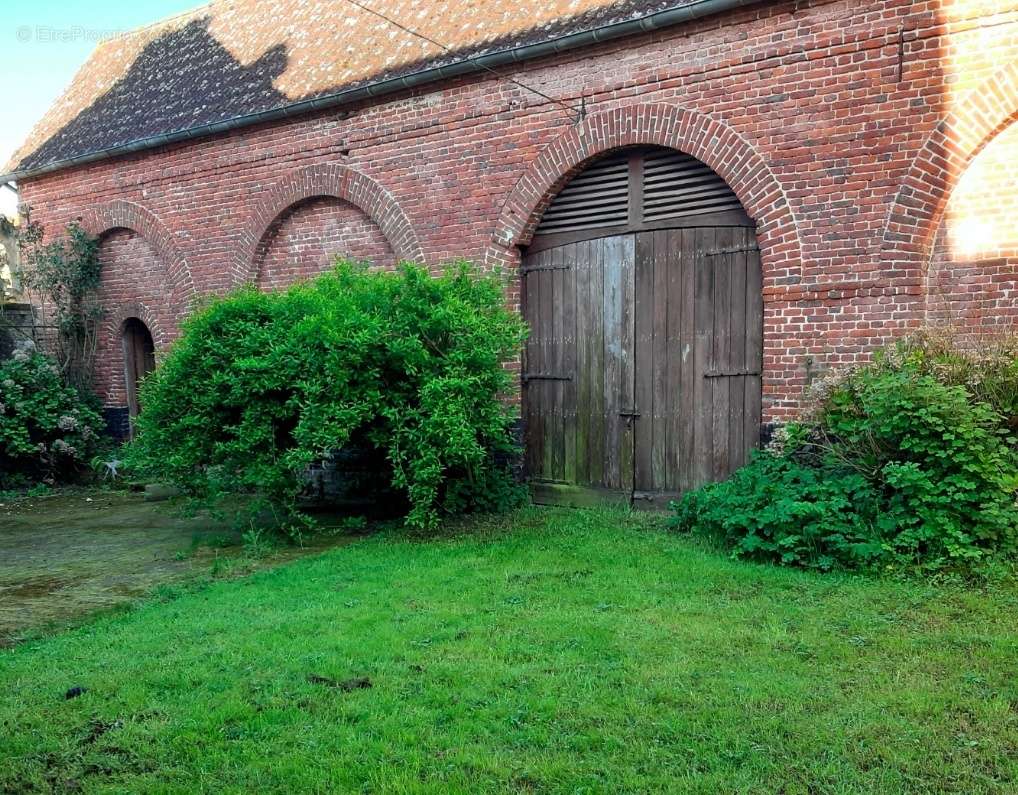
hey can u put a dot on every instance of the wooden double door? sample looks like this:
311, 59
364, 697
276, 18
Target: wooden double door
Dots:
642, 372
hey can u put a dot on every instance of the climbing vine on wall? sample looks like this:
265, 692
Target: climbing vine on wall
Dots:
61, 277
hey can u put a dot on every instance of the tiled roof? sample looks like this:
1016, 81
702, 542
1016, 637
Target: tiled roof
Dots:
232, 58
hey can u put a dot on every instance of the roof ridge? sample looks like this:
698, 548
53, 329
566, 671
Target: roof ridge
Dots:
165, 20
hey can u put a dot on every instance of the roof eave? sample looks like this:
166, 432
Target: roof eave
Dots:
669, 17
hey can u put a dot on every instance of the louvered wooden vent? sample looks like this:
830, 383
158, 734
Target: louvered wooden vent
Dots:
670, 185
677, 185
597, 196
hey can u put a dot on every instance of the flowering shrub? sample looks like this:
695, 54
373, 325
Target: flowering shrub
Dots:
985, 364
896, 463
46, 431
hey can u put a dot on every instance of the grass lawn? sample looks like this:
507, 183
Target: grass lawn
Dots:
554, 652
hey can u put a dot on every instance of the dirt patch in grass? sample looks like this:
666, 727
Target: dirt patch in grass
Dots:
64, 556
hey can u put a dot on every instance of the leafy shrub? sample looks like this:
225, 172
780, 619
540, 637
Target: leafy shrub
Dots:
891, 467
941, 458
986, 364
46, 430
777, 508
260, 386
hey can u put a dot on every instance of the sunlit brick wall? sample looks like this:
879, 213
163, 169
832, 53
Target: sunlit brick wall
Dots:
973, 275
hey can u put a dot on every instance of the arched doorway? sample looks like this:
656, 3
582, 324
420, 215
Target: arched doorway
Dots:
139, 361
642, 289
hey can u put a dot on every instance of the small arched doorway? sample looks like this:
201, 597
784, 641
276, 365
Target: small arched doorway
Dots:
139, 361
642, 289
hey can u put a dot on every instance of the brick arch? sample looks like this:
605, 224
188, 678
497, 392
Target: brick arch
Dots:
122, 214
955, 141
332, 180
692, 132
119, 317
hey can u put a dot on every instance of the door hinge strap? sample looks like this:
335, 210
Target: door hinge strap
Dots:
729, 373
545, 377
533, 268
720, 251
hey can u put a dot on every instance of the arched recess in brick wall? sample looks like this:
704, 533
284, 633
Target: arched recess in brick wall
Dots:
705, 138
117, 320
326, 180
971, 273
122, 214
113, 377
914, 217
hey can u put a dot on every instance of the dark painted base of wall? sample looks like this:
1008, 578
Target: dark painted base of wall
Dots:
513, 461
118, 422
359, 478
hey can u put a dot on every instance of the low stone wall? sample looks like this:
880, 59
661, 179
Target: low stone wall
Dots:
16, 322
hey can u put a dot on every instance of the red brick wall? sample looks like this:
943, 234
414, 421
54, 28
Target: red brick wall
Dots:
306, 238
843, 127
132, 285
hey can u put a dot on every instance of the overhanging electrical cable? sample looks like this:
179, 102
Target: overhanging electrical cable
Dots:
579, 112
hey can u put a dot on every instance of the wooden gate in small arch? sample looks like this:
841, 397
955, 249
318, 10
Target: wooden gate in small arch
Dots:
642, 374
139, 361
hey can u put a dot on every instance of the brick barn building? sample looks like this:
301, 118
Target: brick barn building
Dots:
705, 202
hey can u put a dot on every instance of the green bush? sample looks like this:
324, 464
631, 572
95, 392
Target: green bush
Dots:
892, 467
778, 508
986, 364
261, 386
942, 460
47, 432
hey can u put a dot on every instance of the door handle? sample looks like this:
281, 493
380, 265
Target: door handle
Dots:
630, 416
